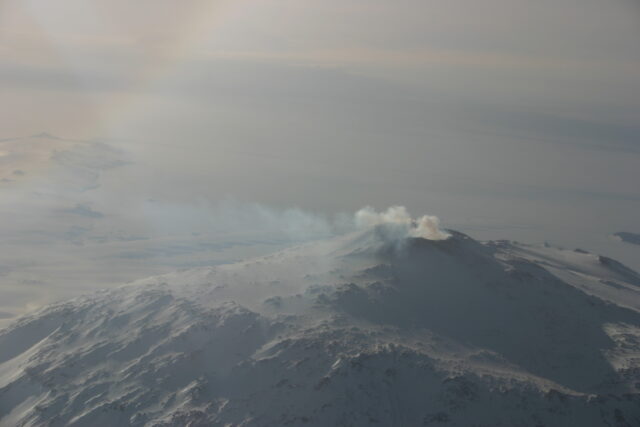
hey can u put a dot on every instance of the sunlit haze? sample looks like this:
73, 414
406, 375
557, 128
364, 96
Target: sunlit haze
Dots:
142, 137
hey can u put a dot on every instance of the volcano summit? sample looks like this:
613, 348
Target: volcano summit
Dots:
364, 329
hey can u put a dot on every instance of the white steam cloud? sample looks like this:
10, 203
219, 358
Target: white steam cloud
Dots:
426, 226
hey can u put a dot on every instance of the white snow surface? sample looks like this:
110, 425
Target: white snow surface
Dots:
363, 329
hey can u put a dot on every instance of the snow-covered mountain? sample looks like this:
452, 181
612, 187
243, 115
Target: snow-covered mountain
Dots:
363, 329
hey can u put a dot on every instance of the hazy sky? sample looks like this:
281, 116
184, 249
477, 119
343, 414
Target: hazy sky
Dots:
506, 118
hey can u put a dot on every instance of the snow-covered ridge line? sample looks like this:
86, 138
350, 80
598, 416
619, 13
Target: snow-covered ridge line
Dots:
356, 330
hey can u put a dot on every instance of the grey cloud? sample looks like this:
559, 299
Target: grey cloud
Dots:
35, 76
84, 210
588, 133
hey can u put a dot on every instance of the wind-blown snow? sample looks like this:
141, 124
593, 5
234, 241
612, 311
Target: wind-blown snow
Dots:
347, 332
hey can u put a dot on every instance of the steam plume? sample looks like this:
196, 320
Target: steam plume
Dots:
426, 226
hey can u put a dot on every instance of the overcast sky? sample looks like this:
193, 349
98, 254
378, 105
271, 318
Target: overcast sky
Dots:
506, 118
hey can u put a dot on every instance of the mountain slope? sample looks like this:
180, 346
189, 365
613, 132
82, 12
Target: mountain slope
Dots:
363, 329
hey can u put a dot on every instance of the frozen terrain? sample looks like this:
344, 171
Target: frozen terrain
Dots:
628, 237
365, 329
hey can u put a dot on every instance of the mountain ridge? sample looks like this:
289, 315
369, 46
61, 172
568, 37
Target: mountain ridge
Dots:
367, 328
